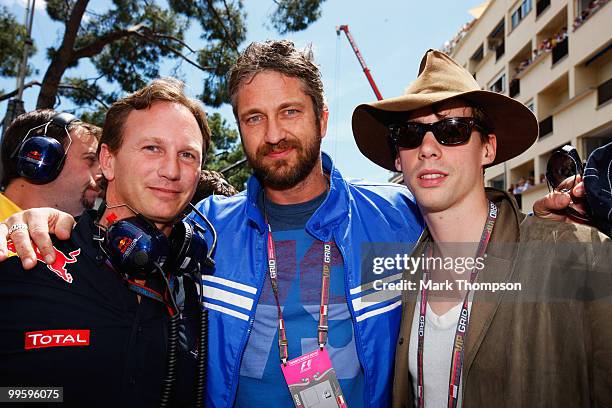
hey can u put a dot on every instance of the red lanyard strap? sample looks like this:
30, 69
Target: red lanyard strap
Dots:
325, 278
462, 324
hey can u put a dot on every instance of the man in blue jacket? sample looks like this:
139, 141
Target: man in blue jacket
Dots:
312, 212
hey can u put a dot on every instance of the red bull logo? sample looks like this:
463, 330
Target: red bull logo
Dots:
34, 155
61, 260
124, 244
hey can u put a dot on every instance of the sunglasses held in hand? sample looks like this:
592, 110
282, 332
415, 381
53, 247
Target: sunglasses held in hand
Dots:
564, 170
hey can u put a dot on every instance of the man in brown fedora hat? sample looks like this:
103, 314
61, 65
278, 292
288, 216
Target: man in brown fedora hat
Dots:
517, 311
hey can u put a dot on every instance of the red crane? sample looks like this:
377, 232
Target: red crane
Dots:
366, 70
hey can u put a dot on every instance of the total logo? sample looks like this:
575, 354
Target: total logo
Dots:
56, 338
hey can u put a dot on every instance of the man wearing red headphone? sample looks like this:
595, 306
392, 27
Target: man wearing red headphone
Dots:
49, 160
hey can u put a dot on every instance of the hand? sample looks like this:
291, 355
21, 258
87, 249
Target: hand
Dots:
41, 222
555, 205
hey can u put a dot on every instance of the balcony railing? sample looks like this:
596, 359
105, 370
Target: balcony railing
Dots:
560, 50
546, 126
541, 6
515, 87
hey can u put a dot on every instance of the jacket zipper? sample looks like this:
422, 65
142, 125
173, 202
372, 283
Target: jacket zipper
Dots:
354, 321
246, 339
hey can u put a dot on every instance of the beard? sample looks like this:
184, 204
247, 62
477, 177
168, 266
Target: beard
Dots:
282, 175
89, 196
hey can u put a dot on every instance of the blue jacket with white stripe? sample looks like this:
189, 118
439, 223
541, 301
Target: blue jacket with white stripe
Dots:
352, 214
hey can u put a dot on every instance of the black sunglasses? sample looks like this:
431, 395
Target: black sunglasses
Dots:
562, 170
448, 132
564, 165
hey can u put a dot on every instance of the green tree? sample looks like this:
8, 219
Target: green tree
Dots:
128, 42
225, 151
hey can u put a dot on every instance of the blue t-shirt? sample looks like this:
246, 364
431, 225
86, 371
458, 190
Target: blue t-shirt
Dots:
299, 260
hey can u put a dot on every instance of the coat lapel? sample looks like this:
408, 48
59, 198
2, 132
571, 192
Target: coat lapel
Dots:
498, 268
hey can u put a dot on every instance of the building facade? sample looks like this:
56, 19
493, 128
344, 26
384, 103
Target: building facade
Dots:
555, 57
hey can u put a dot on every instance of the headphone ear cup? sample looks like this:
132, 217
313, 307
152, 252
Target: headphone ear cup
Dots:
188, 248
134, 246
40, 159
180, 241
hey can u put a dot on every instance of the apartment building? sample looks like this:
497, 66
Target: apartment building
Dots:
554, 56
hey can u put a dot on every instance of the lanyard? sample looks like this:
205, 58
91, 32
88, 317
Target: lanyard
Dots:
323, 328
462, 324
145, 291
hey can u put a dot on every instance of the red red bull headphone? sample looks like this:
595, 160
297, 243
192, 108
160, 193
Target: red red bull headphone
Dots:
40, 157
135, 247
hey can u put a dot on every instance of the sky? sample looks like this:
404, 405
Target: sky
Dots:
392, 36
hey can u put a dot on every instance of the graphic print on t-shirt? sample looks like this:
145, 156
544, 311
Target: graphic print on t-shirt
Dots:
299, 265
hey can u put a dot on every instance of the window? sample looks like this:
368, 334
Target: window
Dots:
591, 143
516, 17
520, 13
542, 5
525, 7
498, 182
530, 105
499, 85
604, 92
546, 126
583, 5
559, 51
477, 56
515, 87
500, 51
495, 40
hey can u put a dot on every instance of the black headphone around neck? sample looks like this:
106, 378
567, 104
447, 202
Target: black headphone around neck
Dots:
136, 248
40, 158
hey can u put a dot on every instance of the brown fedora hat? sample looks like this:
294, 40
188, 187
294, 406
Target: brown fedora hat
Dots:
440, 78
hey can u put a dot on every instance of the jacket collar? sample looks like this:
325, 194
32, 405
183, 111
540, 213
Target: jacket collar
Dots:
332, 211
506, 228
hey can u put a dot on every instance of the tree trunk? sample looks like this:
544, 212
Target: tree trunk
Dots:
62, 59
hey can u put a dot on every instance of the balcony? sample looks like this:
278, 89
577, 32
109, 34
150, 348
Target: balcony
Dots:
541, 6
546, 126
586, 13
560, 50
515, 87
